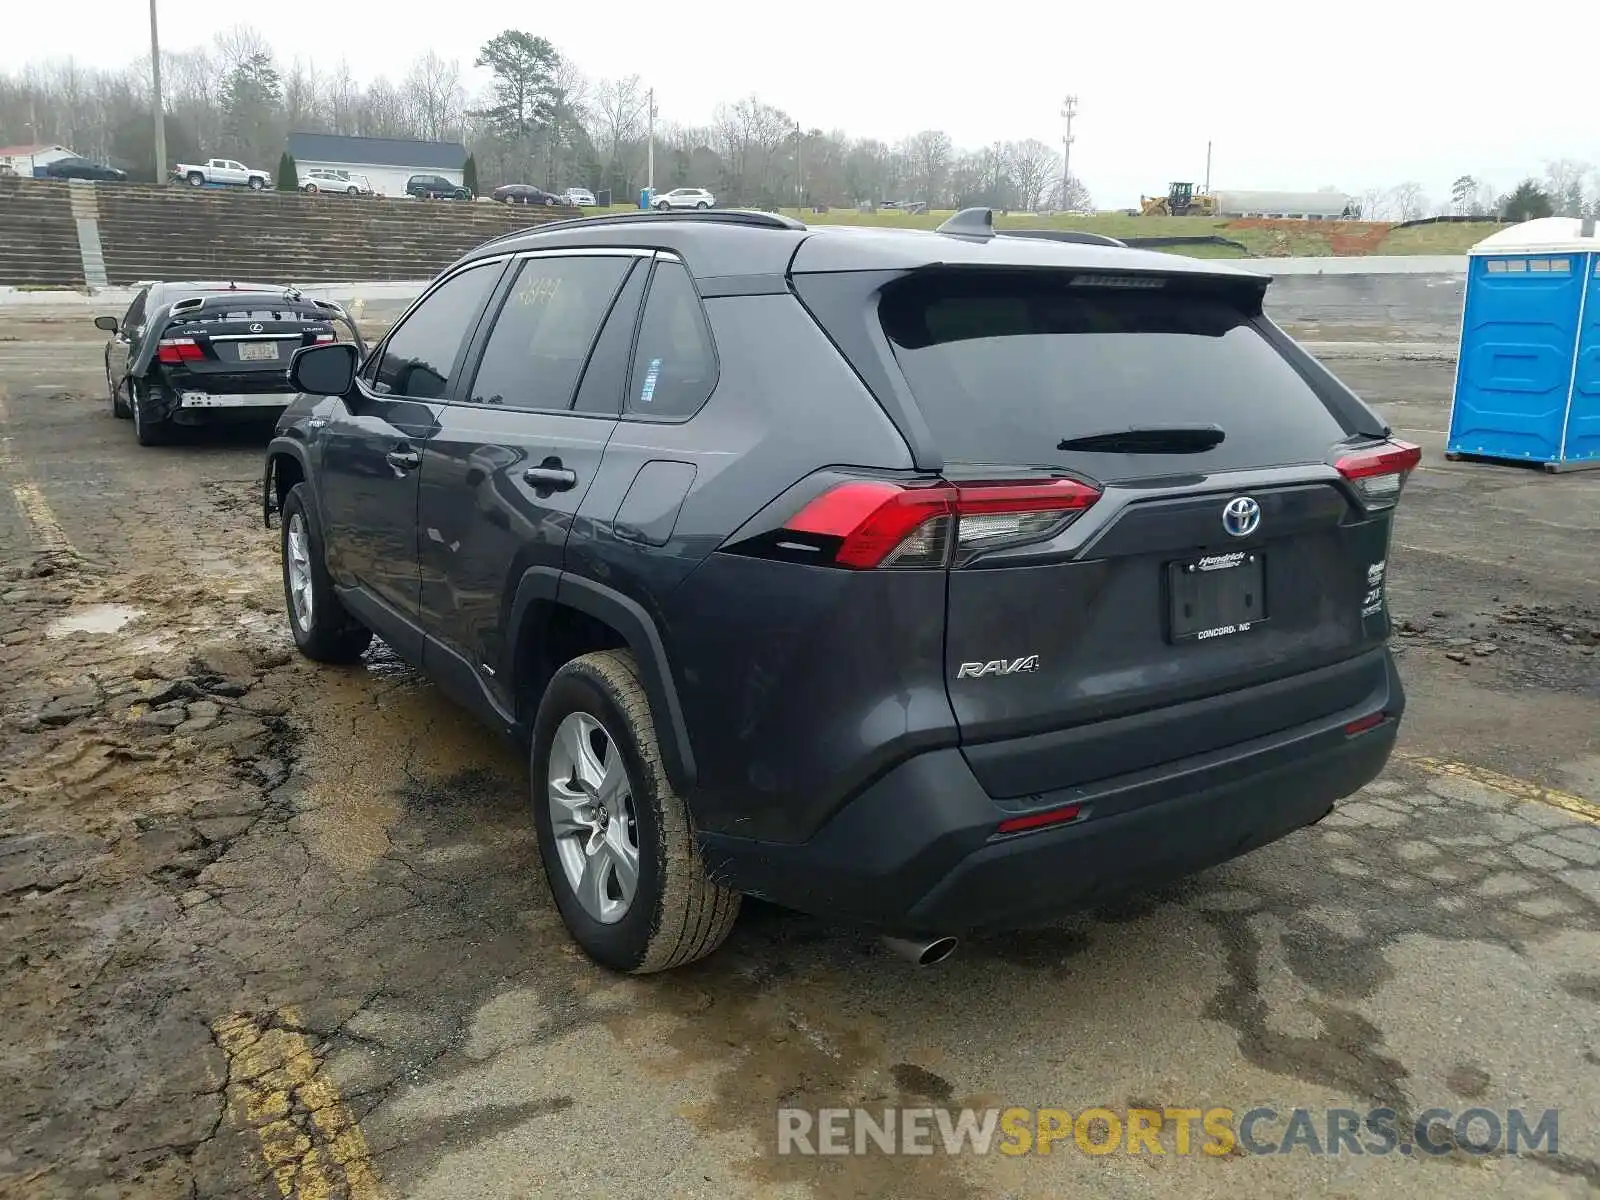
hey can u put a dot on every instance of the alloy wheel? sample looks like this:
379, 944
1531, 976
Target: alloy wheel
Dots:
592, 818
297, 551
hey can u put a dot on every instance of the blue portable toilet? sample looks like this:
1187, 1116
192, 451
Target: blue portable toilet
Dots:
646, 195
1528, 371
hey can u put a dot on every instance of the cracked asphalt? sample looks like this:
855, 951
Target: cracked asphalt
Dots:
271, 929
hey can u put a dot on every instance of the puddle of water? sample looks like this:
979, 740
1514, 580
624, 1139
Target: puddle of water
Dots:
99, 618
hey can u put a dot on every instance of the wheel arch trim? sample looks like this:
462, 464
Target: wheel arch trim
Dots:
639, 631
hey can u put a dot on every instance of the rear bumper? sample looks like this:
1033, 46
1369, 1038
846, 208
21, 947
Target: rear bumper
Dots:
198, 400
917, 851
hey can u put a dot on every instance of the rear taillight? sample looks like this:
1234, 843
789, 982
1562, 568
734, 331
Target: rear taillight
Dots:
877, 524
176, 350
1378, 472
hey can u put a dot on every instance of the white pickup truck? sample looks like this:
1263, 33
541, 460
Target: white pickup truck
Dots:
222, 170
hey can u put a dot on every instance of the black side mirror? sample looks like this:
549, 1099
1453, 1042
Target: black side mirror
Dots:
109, 324
327, 370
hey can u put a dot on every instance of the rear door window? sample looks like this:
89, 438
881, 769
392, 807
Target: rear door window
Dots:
1004, 368
545, 329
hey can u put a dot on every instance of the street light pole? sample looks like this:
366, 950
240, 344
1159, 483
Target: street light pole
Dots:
158, 110
1069, 109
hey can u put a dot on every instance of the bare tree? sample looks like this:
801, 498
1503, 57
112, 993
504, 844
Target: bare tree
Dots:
1564, 180
1034, 167
618, 115
928, 154
1408, 201
434, 97
344, 100
238, 44
569, 101
302, 98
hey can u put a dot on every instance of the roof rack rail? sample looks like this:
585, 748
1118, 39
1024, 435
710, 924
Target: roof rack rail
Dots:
715, 216
1081, 236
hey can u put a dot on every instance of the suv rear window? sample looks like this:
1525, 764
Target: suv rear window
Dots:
1005, 367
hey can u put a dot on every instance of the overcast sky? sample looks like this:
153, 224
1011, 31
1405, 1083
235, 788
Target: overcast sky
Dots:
1299, 96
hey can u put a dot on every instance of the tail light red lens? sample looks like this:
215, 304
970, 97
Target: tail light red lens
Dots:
177, 350
1378, 472
881, 524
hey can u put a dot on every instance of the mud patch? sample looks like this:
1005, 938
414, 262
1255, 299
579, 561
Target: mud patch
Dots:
96, 619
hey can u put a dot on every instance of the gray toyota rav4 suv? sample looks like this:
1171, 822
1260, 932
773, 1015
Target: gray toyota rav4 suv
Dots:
926, 581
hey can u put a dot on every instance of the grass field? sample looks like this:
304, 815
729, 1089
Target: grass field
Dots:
1261, 238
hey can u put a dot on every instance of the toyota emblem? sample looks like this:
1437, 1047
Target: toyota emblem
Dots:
1241, 516
256, 328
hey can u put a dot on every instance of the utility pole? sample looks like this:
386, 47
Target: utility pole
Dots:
1208, 168
799, 168
158, 110
1069, 109
650, 143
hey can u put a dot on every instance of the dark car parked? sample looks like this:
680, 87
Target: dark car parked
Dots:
932, 581
210, 352
435, 187
82, 168
524, 193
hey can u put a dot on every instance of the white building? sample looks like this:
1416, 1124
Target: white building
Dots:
1312, 206
26, 160
386, 162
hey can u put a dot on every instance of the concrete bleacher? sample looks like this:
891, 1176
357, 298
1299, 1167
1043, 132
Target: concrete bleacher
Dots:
178, 232
38, 235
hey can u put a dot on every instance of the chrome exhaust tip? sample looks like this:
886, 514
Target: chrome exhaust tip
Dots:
924, 952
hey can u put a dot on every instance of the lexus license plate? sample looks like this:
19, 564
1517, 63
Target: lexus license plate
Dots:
257, 351
1216, 596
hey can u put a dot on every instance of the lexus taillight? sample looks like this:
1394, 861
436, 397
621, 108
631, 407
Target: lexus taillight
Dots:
865, 524
177, 350
1378, 472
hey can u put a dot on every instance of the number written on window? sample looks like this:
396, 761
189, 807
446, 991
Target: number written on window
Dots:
543, 333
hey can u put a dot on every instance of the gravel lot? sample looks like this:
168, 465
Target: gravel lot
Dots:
271, 929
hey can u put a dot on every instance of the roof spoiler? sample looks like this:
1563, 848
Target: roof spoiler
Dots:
977, 225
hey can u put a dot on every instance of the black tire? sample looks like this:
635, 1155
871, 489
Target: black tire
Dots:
327, 633
702, 204
119, 400
256, 184
662, 206
353, 190
196, 179
310, 189
677, 915
148, 429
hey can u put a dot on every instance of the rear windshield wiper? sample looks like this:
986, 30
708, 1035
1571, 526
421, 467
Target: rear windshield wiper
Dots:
1149, 439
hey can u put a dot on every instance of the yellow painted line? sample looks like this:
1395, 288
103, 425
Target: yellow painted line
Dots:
310, 1142
1520, 789
46, 529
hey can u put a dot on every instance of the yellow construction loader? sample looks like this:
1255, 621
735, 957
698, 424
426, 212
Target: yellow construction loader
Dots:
1180, 201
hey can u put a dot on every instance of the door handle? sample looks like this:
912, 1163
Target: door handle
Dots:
403, 460
555, 479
